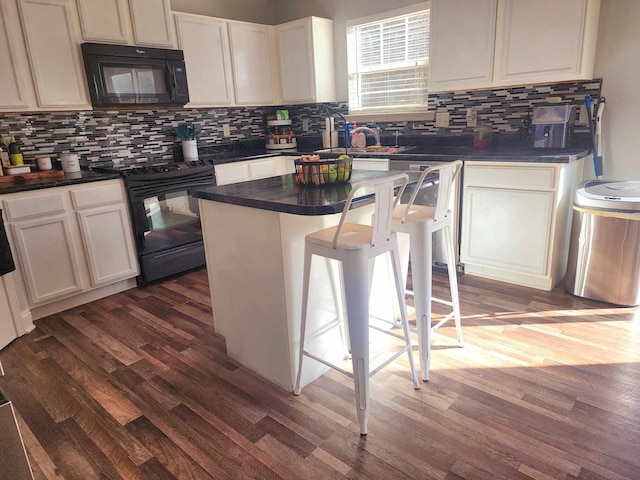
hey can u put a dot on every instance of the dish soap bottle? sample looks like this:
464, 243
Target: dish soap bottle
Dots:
358, 139
15, 154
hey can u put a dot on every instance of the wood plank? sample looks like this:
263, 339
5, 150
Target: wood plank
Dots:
139, 385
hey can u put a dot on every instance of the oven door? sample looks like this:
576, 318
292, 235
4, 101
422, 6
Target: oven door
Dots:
166, 223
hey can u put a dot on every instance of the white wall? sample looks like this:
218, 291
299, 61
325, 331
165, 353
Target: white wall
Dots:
618, 64
257, 11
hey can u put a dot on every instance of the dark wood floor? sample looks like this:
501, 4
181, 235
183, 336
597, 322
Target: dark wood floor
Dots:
138, 385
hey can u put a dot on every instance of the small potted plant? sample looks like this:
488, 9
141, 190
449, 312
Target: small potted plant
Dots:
188, 134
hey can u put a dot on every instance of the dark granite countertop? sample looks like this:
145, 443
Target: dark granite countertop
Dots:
504, 149
283, 194
83, 176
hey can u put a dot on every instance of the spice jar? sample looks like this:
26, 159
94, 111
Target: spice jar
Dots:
482, 137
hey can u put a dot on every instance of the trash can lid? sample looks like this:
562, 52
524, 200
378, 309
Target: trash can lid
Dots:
609, 195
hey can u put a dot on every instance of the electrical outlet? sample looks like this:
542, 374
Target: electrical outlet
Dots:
305, 125
472, 117
583, 118
442, 119
226, 130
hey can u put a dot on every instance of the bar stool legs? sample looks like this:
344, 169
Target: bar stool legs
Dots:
356, 246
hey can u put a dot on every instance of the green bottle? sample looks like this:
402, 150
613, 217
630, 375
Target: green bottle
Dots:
4, 155
15, 154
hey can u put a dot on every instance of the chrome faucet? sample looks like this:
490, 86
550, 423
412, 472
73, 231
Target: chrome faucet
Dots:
347, 136
375, 131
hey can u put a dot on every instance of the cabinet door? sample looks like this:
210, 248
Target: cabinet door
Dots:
8, 330
50, 29
232, 173
151, 20
462, 43
107, 236
47, 255
295, 45
539, 41
13, 70
205, 44
252, 62
507, 229
104, 20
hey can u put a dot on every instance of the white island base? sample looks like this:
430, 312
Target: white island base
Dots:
255, 266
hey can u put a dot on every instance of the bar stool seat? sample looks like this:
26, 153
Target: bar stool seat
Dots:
355, 246
421, 222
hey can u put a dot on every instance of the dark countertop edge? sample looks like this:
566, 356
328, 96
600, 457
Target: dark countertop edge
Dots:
243, 198
498, 155
271, 206
83, 176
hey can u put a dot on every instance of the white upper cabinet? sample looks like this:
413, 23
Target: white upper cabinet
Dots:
151, 20
462, 44
52, 40
139, 22
495, 43
252, 58
205, 44
546, 40
104, 20
14, 73
306, 60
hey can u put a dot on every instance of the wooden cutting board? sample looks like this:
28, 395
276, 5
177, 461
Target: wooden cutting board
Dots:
32, 177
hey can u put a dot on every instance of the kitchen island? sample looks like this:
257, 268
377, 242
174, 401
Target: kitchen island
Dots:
254, 242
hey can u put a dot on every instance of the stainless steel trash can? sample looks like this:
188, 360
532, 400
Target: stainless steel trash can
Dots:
604, 253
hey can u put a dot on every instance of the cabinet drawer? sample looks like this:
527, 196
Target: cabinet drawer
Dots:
525, 176
92, 196
263, 168
380, 164
232, 173
21, 207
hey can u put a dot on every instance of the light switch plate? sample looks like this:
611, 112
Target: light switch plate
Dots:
442, 119
226, 131
472, 117
305, 125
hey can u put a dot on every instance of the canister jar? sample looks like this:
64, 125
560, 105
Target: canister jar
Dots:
69, 162
482, 137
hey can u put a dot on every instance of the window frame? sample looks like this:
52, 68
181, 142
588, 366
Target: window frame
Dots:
410, 113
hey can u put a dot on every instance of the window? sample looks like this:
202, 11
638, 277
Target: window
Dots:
389, 61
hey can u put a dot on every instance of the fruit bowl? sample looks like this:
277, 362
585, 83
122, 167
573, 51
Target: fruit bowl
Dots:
310, 170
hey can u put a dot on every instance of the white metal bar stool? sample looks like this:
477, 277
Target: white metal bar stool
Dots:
421, 222
355, 246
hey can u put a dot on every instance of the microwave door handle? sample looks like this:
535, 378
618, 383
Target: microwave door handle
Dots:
171, 83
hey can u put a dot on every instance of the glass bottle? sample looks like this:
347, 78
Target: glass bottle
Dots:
15, 154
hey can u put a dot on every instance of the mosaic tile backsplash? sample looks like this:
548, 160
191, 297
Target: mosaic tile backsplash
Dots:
136, 134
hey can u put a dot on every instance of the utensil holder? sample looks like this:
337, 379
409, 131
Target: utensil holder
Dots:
189, 150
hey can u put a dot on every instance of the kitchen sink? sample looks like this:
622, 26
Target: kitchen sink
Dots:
373, 150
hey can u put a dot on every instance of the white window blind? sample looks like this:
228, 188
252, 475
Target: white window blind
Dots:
389, 63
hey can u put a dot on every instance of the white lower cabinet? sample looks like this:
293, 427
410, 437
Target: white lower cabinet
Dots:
516, 220
71, 239
105, 228
246, 170
48, 254
380, 164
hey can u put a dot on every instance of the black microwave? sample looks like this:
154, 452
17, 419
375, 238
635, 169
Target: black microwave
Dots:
125, 76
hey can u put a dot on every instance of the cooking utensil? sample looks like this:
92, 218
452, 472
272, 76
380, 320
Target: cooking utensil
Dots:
601, 105
594, 146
